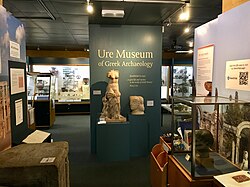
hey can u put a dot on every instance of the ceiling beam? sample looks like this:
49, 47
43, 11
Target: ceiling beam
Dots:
57, 54
158, 1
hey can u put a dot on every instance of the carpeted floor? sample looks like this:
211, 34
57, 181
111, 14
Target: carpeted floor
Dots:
85, 170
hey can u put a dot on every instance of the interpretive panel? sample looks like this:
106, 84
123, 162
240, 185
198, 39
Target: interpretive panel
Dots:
17, 80
237, 73
205, 58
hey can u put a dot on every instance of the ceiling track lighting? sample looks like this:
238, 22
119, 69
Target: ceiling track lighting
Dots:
169, 22
46, 9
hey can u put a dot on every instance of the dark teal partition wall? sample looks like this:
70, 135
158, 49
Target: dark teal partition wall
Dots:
136, 51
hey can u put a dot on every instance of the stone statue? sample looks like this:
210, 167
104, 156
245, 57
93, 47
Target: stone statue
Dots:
111, 100
136, 105
244, 164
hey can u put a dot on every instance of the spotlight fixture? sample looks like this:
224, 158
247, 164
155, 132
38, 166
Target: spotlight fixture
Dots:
191, 44
90, 8
187, 30
184, 16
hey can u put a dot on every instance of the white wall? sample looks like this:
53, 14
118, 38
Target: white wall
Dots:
230, 34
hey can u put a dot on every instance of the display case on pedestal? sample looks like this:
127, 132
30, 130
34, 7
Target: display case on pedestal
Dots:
213, 141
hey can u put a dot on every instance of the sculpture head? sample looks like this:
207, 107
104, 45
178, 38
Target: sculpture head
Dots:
203, 141
113, 75
137, 105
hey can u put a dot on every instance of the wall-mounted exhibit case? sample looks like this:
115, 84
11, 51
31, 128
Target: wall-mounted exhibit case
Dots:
215, 139
41, 96
71, 82
72, 90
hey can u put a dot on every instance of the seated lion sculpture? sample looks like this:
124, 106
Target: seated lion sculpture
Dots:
111, 100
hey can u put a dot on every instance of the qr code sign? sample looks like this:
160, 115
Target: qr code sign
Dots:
243, 78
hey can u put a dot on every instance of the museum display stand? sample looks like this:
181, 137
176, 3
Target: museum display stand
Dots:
41, 96
180, 177
122, 140
42, 164
113, 141
138, 135
202, 147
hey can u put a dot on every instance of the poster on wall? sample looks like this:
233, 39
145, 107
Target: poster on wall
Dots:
205, 59
236, 76
19, 111
17, 80
5, 129
14, 50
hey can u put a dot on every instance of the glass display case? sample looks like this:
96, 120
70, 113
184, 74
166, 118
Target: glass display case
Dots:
210, 135
41, 97
71, 82
182, 81
40, 86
